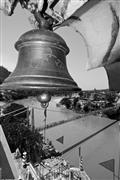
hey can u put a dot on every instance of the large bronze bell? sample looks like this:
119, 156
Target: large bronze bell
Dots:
41, 64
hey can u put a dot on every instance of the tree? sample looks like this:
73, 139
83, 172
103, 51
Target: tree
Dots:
66, 102
81, 93
4, 73
19, 134
110, 97
112, 113
86, 108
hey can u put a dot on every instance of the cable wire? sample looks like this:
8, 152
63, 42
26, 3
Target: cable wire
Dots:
12, 112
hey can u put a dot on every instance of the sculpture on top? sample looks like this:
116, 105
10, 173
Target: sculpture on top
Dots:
39, 9
45, 12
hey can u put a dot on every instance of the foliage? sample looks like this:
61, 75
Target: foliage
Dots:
89, 101
4, 73
112, 113
66, 102
80, 93
20, 135
110, 97
86, 108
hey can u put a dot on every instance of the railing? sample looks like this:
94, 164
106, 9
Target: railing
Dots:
0, 173
33, 172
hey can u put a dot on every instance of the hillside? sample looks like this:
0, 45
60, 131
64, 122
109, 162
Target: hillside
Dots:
4, 73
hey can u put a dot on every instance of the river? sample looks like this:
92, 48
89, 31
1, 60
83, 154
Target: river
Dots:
98, 138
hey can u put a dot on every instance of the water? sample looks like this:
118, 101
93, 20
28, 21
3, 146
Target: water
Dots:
100, 148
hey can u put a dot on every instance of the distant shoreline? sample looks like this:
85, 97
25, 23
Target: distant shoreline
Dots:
53, 124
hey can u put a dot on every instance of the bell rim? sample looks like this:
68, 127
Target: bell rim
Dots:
37, 90
37, 87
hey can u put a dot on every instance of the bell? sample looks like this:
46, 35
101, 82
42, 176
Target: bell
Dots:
41, 64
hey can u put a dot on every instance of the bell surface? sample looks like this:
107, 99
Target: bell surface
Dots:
41, 64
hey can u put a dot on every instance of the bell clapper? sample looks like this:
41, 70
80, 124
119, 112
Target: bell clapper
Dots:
44, 99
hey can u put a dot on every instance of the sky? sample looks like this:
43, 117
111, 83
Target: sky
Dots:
12, 27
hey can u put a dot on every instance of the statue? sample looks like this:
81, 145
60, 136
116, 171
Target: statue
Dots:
38, 8
45, 13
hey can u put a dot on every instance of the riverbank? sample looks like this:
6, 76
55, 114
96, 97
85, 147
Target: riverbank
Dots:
50, 125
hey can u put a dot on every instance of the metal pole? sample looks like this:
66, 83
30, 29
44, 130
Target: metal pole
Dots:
119, 151
70, 175
45, 115
113, 169
0, 173
27, 114
33, 120
45, 130
114, 174
79, 157
80, 161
